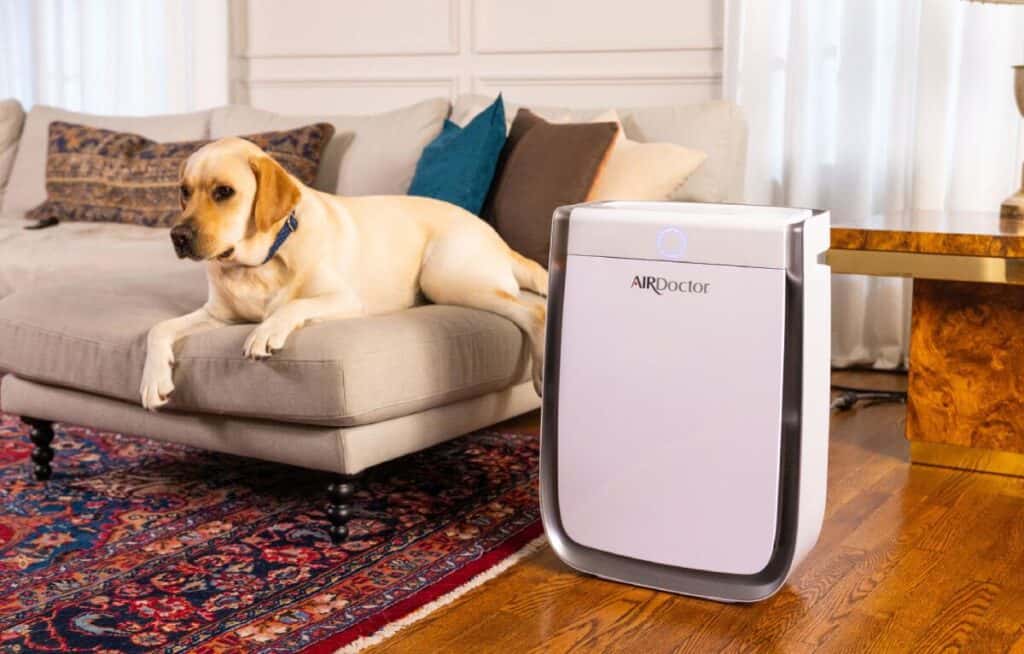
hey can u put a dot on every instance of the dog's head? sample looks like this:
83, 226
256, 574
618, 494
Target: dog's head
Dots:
232, 196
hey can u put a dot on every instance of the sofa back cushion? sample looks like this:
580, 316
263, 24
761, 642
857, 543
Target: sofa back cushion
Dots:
380, 150
717, 128
643, 171
12, 118
99, 175
27, 186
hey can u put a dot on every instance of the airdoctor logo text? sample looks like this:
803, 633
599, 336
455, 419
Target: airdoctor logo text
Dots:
659, 285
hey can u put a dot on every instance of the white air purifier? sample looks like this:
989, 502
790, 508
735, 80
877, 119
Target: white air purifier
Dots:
686, 394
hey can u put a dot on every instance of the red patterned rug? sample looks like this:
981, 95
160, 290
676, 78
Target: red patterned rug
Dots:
136, 545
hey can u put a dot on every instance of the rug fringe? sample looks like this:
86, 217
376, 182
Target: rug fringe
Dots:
390, 629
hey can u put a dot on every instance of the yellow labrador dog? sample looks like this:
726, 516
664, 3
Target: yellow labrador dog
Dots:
283, 255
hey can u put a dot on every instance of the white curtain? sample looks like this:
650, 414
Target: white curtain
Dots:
128, 57
882, 108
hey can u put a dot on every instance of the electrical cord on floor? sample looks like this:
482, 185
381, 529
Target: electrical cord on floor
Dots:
850, 397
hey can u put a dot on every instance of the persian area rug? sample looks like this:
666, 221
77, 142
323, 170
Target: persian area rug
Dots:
138, 546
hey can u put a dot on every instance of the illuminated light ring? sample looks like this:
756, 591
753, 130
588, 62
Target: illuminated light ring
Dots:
676, 253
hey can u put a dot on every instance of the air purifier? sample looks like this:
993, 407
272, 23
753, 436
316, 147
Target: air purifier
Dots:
685, 415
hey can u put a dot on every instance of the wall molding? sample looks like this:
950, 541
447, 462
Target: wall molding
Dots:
451, 82
327, 82
609, 50
640, 79
715, 43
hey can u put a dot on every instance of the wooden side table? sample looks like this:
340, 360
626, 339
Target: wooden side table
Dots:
965, 395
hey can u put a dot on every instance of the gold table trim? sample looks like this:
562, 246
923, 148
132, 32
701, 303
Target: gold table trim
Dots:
951, 267
962, 457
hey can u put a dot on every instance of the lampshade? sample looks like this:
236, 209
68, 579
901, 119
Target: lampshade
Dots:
1013, 207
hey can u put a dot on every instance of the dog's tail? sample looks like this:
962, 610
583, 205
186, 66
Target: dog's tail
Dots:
530, 274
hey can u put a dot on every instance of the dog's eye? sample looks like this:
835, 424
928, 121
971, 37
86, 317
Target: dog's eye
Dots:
185, 193
221, 193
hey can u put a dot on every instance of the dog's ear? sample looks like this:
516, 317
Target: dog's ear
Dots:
276, 193
181, 180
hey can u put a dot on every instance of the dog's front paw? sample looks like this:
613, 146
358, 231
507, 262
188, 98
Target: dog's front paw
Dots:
264, 341
157, 384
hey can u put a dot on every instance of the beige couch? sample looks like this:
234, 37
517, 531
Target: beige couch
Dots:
342, 396
380, 158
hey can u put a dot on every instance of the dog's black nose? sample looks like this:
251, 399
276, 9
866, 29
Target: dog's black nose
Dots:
183, 237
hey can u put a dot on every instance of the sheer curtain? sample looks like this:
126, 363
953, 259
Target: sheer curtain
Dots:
871, 107
129, 57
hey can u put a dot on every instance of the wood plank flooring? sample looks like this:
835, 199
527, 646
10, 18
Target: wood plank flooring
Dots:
910, 559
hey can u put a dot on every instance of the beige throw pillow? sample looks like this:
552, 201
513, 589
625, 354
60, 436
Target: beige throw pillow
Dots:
642, 171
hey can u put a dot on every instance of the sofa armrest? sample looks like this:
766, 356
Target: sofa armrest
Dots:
12, 120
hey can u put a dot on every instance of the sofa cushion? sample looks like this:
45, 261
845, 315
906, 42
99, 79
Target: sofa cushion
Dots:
458, 165
101, 175
90, 336
12, 118
34, 258
380, 150
717, 128
643, 171
27, 187
542, 167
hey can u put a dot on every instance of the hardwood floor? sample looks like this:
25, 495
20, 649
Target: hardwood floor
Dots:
910, 559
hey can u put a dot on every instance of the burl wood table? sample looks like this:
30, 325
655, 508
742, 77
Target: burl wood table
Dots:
965, 399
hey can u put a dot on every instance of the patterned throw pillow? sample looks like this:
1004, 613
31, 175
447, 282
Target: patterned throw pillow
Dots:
99, 175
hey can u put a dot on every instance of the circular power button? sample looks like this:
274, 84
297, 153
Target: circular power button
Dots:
672, 243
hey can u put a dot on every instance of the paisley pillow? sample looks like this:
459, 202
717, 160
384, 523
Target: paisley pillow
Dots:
100, 175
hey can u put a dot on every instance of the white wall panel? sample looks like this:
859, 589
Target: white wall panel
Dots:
308, 56
351, 27
595, 25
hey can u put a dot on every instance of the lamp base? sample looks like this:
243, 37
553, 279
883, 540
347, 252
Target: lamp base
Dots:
1013, 206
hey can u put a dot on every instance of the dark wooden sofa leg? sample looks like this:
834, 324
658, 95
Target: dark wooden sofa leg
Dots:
42, 454
339, 507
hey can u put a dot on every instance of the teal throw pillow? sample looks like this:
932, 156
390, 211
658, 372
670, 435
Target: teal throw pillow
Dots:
459, 164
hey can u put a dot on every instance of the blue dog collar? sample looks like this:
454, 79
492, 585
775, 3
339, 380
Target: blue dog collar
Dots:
290, 225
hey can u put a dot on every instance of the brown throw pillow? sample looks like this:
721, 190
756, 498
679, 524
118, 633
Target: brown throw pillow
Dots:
543, 166
99, 175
